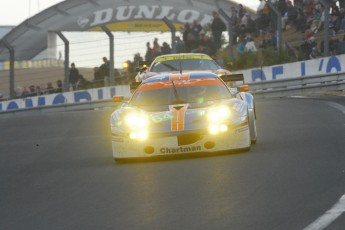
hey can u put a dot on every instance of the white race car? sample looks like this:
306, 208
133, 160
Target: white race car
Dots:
188, 113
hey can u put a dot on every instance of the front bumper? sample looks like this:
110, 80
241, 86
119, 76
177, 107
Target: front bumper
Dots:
124, 147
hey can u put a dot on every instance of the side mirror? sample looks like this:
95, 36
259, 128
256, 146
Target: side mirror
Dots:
118, 98
143, 69
243, 88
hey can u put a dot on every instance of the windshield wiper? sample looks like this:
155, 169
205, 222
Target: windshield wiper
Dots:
169, 66
180, 67
178, 100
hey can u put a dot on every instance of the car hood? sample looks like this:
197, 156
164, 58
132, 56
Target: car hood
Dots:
184, 117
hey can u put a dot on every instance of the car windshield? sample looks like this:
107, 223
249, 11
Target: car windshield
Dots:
184, 64
183, 94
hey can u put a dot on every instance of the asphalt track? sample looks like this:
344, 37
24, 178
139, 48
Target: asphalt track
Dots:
57, 172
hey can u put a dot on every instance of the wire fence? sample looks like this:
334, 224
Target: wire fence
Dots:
86, 50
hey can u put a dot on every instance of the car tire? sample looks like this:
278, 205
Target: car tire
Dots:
252, 127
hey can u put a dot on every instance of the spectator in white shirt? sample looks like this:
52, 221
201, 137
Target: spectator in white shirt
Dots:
250, 46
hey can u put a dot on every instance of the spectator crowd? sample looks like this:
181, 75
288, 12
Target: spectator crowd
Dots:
193, 39
38, 90
299, 16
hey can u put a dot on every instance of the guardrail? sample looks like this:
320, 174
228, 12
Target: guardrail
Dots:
75, 100
90, 105
298, 86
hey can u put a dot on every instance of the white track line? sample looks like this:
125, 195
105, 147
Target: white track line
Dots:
298, 96
337, 209
336, 106
330, 216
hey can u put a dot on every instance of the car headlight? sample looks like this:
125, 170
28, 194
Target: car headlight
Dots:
219, 113
217, 117
137, 122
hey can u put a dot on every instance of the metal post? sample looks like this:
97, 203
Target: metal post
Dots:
111, 54
230, 33
279, 24
326, 28
11, 51
173, 34
66, 64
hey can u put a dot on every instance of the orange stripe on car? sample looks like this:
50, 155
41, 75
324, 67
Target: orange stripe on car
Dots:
178, 111
177, 76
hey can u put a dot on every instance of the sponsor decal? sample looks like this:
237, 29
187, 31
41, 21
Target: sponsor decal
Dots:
141, 13
240, 130
160, 117
239, 106
117, 139
180, 149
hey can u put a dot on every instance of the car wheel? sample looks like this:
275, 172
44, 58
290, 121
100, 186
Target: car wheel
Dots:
252, 127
